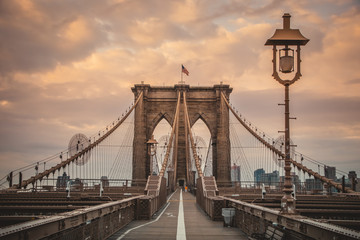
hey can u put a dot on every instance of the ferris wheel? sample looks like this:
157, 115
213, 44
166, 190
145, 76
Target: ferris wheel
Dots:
77, 144
279, 144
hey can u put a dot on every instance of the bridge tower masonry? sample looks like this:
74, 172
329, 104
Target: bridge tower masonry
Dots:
203, 103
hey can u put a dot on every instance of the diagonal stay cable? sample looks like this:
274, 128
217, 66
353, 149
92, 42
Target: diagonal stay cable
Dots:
41, 175
166, 158
197, 161
338, 186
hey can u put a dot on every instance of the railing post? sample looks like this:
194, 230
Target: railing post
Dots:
10, 179
20, 180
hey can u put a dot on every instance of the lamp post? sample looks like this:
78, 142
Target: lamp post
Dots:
152, 145
284, 38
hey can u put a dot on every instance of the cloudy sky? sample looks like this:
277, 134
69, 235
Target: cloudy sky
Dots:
67, 66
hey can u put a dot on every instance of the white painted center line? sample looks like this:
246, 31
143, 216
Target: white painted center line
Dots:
181, 233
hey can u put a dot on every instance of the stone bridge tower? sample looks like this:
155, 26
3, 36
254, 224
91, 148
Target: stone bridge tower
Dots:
160, 103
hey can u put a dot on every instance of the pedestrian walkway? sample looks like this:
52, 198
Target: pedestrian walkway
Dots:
182, 223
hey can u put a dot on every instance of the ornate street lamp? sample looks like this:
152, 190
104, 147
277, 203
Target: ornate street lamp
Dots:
283, 38
152, 145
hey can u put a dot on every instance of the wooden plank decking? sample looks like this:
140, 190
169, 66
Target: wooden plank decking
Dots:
197, 224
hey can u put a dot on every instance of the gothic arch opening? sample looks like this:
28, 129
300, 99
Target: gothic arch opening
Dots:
202, 138
161, 134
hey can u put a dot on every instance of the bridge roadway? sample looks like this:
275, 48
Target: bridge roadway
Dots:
181, 218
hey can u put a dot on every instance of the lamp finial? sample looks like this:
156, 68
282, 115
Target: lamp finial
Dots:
286, 21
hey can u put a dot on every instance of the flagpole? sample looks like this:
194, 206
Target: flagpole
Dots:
183, 70
181, 76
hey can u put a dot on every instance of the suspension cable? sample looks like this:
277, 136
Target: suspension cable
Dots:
40, 176
338, 186
165, 162
196, 157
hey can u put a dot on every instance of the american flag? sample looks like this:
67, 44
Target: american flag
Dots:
184, 70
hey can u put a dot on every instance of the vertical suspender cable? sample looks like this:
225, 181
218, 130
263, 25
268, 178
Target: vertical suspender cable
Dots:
187, 152
32, 180
197, 162
175, 156
279, 153
163, 167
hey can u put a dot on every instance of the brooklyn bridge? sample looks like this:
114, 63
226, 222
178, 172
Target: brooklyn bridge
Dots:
122, 182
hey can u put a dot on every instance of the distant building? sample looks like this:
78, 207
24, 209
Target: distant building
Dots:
270, 179
295, 180
235, 173
330, 172
352, 174
353, 180
258, 175
62, 181
313, 185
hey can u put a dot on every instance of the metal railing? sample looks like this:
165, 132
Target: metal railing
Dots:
313, 187
251, 218
97, 222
